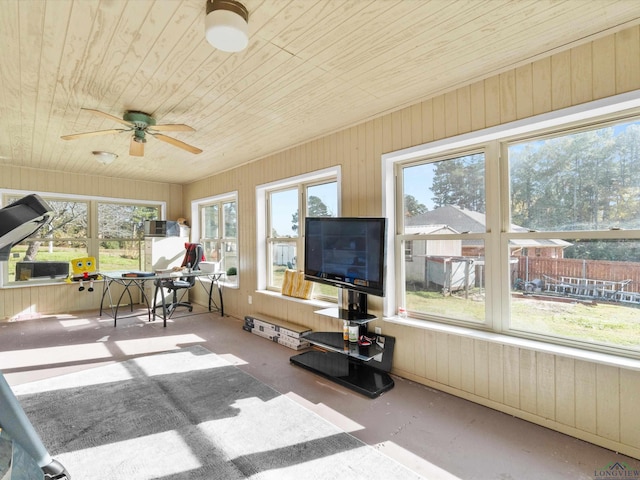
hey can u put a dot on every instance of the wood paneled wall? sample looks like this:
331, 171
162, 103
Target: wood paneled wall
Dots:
27, 302
585, 399
590, 400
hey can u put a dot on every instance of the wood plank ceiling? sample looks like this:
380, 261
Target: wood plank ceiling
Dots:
311, 67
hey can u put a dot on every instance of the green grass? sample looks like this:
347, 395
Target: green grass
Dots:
117, 261
454, 306
109, 259
602, 323
611, 324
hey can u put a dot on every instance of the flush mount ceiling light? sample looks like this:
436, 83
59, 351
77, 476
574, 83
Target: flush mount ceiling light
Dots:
226, 25
105, 158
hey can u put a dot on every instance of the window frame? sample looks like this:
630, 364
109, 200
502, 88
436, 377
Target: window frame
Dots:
197, 209
507, 236
263, 222
92, 239
496, 139
271, 240
402, 238
95, 207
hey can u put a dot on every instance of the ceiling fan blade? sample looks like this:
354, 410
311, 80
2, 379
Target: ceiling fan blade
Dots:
136, 149
172, 127
92, 134
109, 116
176, 143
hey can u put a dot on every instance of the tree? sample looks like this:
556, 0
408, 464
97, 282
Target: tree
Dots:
68, 221
412, 207
576, 181
117, 221
460, 182
230, 212
315, 208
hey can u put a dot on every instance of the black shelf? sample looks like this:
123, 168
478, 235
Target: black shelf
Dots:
348, 315
363, 368
360, 368
346, 371
335, 341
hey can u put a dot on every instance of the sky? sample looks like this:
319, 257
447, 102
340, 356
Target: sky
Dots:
418, 181
285, 203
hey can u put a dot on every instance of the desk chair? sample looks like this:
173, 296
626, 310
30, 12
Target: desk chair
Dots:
192, 258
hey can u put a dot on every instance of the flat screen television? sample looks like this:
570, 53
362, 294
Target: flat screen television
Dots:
347, 252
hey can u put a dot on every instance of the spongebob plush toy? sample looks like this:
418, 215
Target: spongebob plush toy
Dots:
84, 269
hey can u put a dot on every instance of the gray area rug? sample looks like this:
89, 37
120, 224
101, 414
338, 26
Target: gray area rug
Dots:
190, 414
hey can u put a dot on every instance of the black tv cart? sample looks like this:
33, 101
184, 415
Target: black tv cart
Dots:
360, 368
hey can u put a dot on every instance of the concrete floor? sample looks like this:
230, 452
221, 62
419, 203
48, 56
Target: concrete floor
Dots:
437, 435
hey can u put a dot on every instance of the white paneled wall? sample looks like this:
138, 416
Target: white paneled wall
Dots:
583, 398
587, 399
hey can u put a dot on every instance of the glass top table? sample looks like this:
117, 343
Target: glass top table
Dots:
137, 279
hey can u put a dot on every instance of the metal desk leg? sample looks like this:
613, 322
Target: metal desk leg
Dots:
217, 282
105, 289
126, 285
155, 298
164, 307
145, 298
164, 304
220, 295
129, 292
115, 315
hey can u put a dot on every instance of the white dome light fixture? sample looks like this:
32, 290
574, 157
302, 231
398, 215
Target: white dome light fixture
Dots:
105, 158
227, 25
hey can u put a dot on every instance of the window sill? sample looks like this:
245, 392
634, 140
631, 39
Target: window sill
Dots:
313, 302
37, 283
536, 345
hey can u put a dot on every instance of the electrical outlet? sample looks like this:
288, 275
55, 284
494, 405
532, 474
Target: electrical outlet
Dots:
378, 330
250, 300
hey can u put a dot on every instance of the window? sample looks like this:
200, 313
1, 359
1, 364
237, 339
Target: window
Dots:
64, 238
529, 229
286, 205
113, 235
444, 202
286, 242
121, 231
219, 231
574, 197
408, 251
284, 229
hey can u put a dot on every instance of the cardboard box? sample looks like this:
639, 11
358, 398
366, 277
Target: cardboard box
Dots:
284, 333
280, 326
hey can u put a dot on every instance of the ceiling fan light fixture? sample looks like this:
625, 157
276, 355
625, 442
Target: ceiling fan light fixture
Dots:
227, 25
105, 158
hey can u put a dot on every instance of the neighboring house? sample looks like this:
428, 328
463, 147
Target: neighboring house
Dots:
467, 221
430, 263
451, 265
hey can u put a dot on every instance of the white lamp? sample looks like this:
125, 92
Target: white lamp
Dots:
105, 158
226, 25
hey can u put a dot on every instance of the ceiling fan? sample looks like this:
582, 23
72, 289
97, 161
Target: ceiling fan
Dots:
140, 124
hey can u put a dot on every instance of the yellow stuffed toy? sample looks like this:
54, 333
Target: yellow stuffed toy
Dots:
84, 269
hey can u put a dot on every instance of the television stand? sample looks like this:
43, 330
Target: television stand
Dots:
363, 369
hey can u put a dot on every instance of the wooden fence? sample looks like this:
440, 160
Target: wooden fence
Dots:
531, 268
